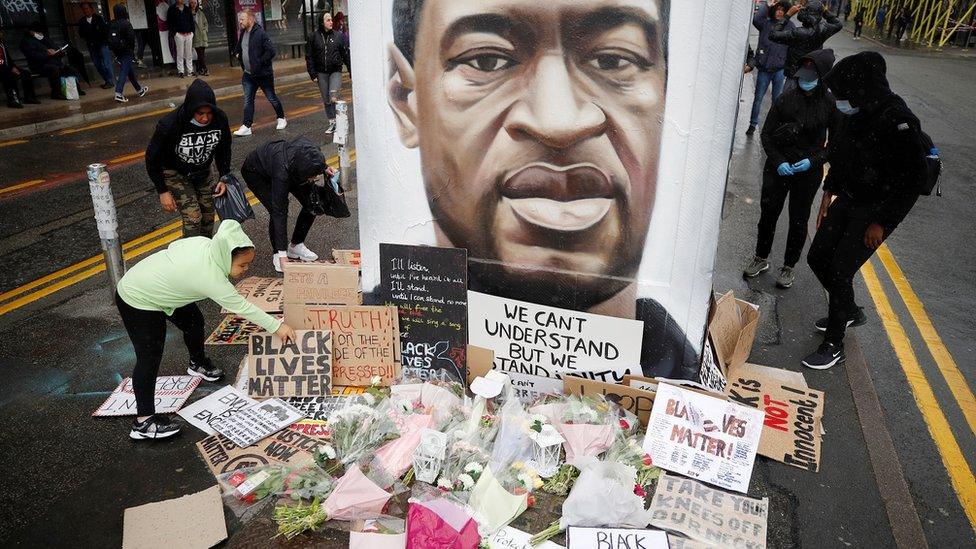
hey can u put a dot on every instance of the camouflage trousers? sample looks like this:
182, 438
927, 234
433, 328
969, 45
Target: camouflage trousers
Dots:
194, 200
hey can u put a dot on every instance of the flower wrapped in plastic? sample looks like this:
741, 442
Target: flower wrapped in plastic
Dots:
497, 500
463, 467
357, 431
628, 450
434, 522
396, 456
379, 533
588, 424
247, 486
513, 441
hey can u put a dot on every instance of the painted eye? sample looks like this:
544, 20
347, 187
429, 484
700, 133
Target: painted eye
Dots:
488, 62
611, 62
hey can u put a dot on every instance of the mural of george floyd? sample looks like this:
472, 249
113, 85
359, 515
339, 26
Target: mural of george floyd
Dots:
578, 150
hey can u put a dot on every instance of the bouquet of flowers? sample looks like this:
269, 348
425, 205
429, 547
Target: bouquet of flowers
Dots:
357, 431
587, 423
512, 439
627, 450
498, 498
463, 467
396, 456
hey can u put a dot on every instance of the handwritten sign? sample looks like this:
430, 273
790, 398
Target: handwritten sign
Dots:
171, 392
615, 538
300, 368
348, 257
321, 284
703, 437
214, 407
257, 422
288, 446
513, 538
321, 407
366, 340
265, 293
428, 286
636, 401
234, 330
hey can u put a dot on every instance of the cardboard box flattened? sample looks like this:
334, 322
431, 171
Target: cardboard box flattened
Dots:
321, 284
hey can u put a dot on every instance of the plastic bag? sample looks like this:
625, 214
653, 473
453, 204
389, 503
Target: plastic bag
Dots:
233, 203
246, 487
69, 87
604, 496
329, 199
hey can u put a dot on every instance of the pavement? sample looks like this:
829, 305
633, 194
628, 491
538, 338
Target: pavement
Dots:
898, 452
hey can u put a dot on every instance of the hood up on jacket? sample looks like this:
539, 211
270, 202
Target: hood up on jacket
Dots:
229, 237
304, 160
120, 11
199, 94
859, 78
815, 64
811, 14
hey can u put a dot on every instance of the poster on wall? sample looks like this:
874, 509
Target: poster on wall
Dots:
162, 7
554, 151
272, 10
136, 9
255, 6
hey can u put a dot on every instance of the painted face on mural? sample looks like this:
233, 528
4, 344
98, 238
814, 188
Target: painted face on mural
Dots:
539, 128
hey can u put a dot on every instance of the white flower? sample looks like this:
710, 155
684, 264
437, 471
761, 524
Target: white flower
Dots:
539, 418
444, 483
473, 467
588, 414
375, 380
370, 399
328, 450
466, 481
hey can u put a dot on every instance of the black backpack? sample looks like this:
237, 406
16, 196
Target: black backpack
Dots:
115, 41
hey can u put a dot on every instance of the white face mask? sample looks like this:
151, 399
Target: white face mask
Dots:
197, 124
38, 36
845, 107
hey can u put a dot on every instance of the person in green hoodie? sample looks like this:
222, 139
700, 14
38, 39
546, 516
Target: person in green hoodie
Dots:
166, 286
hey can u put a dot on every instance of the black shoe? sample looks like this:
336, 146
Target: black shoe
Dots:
859, 319
181, 75
826, 355
205, 368
157, 426
751, 130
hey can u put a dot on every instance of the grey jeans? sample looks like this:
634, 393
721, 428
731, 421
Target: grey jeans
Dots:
329, 84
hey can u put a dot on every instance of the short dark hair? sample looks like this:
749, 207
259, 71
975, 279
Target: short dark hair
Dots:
238, 251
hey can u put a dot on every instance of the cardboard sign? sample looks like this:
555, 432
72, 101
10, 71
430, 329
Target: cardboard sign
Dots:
732, 329
233, 330
366, 340
428, 286
708, 515
195, 520
300, 368
288, 446
348, 257
171, 393
214, 407
480, 362
794, 413
703, 437
321, 407
257, 422
636, 401
321, 284
315, 428
513, 538
266, 293
614, 538
712, 373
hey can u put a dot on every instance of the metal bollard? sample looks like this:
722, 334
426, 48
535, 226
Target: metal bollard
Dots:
339, 137
107, 222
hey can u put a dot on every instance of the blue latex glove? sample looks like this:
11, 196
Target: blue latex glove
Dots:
802, 165
785, 169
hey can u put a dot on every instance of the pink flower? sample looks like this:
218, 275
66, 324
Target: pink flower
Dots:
624, 424
639, 490
647, 460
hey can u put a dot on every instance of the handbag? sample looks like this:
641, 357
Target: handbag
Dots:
329, 199
233, 203
69, 87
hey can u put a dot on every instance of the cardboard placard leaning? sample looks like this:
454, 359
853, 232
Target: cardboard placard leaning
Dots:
264, 292
732, 329
300, 368
320, 284
170, 393
636, 401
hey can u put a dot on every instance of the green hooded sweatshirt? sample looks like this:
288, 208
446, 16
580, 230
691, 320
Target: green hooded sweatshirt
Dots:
189, 270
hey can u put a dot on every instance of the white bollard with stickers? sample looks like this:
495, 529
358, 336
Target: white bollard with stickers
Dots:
339, 137
107, 221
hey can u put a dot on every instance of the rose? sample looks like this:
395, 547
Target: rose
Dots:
444, 484
639, 490
647, 461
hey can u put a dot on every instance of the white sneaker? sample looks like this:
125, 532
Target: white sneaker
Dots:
331, 127
299, 251
143, 91
282, 123
243, 131
276, 260
121, 98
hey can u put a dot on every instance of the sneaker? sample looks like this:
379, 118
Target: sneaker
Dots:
205, 369
143, 91
300, 251
193, 74
282, 123
140, 64
826, 355
331, 127
787, 276
243, 131
751, 130
121, 98
181, 75
157, 426
276, 261
859, 319
758, 266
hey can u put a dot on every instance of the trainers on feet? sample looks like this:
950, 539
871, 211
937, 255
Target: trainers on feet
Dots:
157, 426
276, 260
121, 98
243, 131
859, 319
826, 355
751, 130
300, 251
331, 127
758, 266
205, 368
282, 123
143, 91
787, 276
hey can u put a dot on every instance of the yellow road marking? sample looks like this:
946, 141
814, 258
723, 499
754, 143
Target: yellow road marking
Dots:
127, 157
960, 475
947, 365
12, 142
19, 186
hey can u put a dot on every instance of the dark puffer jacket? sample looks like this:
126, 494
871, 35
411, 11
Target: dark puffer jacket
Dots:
770, 56
121, 27
327, 52
810, 37
874, 157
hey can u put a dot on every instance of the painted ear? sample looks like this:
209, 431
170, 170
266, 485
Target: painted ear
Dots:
401, 96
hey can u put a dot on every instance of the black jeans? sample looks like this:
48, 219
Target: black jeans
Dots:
835, 256
801, 188
9, 81
251, 85
261, 188
147, 331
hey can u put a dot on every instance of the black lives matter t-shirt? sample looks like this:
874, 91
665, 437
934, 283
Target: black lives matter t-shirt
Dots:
196, 148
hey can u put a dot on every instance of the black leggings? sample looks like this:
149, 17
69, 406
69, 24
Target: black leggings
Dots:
147, 331
261, 188
801, 188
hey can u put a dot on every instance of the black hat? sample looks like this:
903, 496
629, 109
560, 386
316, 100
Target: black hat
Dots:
807, 71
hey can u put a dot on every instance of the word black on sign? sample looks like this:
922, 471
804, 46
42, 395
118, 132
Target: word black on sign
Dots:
428, 285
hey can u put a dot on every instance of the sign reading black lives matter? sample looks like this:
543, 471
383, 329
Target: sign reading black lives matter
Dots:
428, 285
300, 368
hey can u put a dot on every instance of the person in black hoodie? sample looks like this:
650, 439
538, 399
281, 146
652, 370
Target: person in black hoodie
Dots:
178, 159
326, 53
272, 172
818, 25
124, 39
794, 138
876, 170
94, 31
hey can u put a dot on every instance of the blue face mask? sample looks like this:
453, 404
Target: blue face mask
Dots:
845, 107
808, 85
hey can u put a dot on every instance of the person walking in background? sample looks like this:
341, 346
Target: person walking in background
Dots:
45, 59
179, 156
904, 21
122, 38
769, 58
879, 20
200, 40
877, 168
858, 23
794, 138
847, 10
325, 55
179, 19
94, 31
255, 51
818, 25
10, 74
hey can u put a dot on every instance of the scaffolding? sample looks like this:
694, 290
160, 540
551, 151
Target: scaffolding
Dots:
930, 23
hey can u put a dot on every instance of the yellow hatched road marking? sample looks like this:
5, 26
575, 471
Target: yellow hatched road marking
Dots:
19, 186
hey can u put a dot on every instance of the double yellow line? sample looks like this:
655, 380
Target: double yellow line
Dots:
960, 473
69, 276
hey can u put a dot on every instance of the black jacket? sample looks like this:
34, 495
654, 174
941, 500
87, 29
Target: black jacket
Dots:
260, 50
791, 132
178, 144
327, 52
95, 34
874, 156
179, 20
285, 166
121, 26
35, 51
803, 40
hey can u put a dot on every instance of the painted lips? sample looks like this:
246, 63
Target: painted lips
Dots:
561, 198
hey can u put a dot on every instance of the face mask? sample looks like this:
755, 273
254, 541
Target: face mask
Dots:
38, 36
807, 85
197, 124
845, 107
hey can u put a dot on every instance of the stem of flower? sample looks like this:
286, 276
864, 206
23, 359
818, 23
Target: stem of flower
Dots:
544, 535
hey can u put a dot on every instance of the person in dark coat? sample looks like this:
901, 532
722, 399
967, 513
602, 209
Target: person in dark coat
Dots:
10, 74
121, 28
876, 171
272, 172
770, 57
794, 138
255, 51
183, 147
325, 55
45, 59
858, 23
818, 26
94, 31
